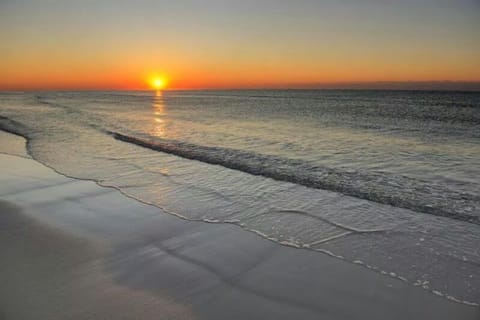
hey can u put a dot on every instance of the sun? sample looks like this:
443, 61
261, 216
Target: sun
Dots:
158, 83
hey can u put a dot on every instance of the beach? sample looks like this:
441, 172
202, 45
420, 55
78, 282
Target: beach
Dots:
71, 249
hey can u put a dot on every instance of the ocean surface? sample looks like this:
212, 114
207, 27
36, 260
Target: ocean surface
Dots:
389, 180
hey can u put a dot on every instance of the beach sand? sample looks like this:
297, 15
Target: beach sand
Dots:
71, 249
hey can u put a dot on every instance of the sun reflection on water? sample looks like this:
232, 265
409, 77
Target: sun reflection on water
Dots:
158, 128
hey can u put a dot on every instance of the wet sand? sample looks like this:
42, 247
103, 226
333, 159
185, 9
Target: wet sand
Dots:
70, 249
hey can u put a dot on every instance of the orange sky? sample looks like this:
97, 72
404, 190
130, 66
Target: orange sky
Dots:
226, 44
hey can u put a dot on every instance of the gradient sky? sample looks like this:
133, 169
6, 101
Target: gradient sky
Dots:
67, 44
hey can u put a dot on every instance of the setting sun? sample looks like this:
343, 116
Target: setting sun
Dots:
158, 83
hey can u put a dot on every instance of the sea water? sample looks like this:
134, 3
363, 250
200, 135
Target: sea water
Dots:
389, 180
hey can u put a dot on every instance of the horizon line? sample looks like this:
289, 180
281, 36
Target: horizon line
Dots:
434, 85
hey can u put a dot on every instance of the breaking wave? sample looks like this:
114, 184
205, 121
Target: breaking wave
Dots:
398, 191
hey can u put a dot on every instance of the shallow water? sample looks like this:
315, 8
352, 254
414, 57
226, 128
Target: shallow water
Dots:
385, 179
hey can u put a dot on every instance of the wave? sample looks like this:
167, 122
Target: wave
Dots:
12, 126
398, 191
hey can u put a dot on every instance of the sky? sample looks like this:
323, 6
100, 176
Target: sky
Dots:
119, 44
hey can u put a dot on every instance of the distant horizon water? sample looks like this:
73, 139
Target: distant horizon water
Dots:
445, 85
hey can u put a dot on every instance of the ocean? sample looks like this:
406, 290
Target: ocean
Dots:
388, 180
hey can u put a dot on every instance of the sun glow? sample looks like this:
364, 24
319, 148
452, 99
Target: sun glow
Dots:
158, 83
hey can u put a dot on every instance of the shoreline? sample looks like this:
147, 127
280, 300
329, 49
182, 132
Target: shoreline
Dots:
147, 261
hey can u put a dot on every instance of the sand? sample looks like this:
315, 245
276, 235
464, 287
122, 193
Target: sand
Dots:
70, 249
